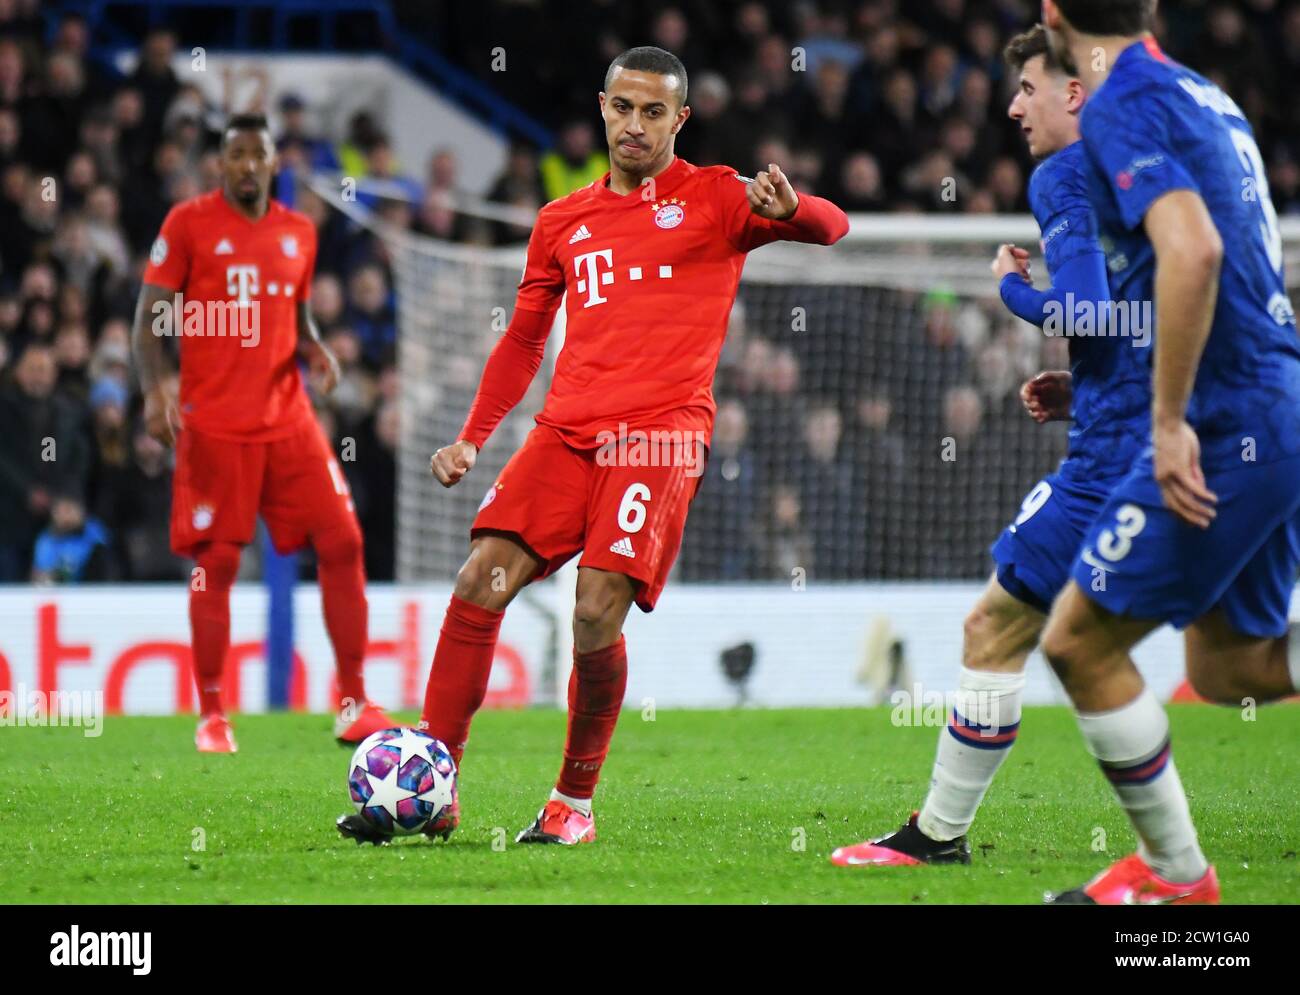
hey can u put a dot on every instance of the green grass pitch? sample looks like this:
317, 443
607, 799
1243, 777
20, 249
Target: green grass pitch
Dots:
720, 806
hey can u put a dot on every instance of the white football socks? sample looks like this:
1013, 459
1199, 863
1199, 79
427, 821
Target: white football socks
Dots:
981, 730
1132, 745
583, 805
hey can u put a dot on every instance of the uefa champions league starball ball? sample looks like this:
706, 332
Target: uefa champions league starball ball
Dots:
400, 779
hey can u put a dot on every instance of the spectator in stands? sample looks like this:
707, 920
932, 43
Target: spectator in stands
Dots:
826, 493
861, 185
140, 520
134, 139
438, 215
374, 487
575, 162
110, 475
390, 182
155, 81
99, 139
54, 112
370, 313
787, 549
354, 397
518, 187
72, 356
363, 132
73, 38
185, 125
880, 465
776, 409
952, 485
826, 120
298, 142
112, 358
720, 540
824, 37
73, 547
327, 300
43, 453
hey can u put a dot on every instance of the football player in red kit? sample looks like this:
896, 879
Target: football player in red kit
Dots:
230, 276
650, 256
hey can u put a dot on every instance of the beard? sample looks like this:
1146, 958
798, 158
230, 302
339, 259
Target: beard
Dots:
249, 197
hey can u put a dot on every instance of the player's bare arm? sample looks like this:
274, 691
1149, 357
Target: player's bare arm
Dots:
161, 411
1188, 252
1048, 395
321, 361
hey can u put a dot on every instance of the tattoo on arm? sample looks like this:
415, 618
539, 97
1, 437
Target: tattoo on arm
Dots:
154, 321
307, 330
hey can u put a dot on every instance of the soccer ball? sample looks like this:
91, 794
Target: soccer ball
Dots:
400, 779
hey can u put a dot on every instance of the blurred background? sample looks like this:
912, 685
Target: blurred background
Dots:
421, 138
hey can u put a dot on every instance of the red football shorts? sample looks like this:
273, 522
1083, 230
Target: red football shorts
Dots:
221, 486
559, 501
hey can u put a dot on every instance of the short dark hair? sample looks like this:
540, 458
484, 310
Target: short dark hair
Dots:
1109, 17
244, 122
649, 59
1029, 45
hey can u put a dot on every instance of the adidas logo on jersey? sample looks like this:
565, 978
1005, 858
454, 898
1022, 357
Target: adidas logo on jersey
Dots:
579, 235
224, 248
623, 547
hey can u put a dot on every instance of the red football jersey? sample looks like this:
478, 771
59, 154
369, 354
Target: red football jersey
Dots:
651, 277
241, 282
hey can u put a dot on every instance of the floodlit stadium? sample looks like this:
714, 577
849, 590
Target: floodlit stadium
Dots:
312, 316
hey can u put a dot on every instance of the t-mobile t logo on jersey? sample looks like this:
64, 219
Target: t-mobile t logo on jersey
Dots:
241, 283
591, 277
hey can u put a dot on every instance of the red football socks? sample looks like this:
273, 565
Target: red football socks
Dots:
597, 685
342, 574
214, 574
462, 664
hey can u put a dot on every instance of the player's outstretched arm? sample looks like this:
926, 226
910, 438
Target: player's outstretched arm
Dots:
1079, 283
792, 216
153, 323
321, 361
1188, 252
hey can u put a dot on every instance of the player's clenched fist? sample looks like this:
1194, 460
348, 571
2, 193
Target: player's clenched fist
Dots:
450, 463
771, 195
162, 417
1047, 396
323, 366
1010, 259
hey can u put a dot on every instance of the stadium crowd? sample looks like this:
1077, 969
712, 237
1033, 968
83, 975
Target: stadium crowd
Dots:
824, 456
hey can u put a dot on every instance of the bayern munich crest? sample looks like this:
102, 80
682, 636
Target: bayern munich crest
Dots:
669, 214
202, 517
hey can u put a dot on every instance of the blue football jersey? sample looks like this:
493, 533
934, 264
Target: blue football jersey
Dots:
1156, 126
1112, 382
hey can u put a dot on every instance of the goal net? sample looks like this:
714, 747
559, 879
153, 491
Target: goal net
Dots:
869, 425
